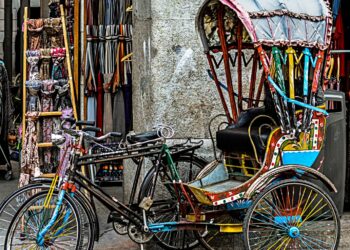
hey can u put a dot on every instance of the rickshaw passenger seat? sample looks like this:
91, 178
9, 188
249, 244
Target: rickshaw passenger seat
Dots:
237, 139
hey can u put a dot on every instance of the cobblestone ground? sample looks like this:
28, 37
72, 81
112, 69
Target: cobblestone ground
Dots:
110, 240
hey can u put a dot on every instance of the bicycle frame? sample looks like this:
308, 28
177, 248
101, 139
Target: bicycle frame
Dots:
74, 176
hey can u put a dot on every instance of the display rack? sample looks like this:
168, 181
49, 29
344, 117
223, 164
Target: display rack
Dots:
48, 74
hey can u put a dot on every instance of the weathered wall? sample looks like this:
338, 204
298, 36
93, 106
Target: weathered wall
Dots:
171, 85
170, 81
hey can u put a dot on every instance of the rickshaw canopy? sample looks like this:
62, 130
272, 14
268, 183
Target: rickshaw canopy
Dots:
279, 22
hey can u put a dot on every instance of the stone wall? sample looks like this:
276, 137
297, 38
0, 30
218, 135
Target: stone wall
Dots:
171, 85
170, 81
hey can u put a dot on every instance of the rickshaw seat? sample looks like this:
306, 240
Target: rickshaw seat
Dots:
216, 181
237, 139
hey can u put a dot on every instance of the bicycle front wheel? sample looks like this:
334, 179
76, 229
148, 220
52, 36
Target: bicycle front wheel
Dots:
12, 203
32, 217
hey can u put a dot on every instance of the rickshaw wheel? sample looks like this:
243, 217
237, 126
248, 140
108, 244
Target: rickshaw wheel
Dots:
292, 214
214, 239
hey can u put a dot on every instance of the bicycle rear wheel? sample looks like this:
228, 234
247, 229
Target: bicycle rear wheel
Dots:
32, 217
165, 206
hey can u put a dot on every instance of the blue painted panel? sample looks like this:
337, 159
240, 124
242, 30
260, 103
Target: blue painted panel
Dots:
305, 158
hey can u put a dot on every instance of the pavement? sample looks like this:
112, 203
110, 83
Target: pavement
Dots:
110, 240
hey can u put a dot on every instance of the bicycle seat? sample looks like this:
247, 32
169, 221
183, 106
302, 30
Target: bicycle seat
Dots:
238, 139
142, 137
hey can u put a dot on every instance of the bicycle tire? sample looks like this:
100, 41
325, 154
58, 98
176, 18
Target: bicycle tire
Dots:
29, 223
189, 239
298, 226
7, 211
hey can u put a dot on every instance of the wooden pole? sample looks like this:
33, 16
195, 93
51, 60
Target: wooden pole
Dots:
69, 66
84, 58
24, 78
76, 46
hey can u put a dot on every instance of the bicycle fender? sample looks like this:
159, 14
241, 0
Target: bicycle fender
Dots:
270, 176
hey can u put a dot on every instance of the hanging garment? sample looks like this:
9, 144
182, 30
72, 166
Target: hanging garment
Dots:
92, 105
119, 112
30, 154
99, 104
65, 149
127, 89
53, 31
58, 69
47, 92
33, 101
33, 58
45, 73
54, 6
339, 42
63, 99
91, 50
107, 119
35, 28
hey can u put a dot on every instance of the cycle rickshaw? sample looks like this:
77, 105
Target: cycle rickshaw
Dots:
263, 185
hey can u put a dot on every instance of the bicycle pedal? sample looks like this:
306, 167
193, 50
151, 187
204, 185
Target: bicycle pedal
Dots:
146, 203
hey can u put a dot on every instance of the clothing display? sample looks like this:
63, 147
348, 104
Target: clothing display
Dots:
108, 82
47, 96
30, 153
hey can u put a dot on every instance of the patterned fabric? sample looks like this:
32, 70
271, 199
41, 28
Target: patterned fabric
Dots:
65, 155
35, 28
47, 91
63, 100
33, 101
33, 58
30, 155
66, 147
53, 29
58, 69
45, 64
54, 6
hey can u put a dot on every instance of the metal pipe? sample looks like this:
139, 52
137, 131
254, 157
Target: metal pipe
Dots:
340, 51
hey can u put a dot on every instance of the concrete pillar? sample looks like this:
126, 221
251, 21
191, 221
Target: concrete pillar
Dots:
170, 81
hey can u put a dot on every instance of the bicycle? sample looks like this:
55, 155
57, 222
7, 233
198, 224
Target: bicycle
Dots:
156, 150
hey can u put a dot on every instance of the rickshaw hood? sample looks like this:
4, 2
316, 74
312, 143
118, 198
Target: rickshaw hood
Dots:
285, 23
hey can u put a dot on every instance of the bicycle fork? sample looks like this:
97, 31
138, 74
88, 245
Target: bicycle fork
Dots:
41, 235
